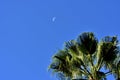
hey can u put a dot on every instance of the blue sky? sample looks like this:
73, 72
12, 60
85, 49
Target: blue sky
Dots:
29, 37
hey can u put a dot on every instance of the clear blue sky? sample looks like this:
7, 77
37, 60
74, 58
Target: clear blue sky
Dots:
29, 37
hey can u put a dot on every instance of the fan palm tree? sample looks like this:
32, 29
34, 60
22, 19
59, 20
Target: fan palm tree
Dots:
85, 58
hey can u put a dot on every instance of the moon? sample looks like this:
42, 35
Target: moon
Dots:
53, 19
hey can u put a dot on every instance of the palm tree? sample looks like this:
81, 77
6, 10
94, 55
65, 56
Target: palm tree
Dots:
85, 58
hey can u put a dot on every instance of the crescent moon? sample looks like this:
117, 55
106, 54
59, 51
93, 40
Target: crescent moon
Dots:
53, 19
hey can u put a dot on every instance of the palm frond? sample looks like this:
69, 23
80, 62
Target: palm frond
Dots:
87, 43
61, 63
107, 51
71, 46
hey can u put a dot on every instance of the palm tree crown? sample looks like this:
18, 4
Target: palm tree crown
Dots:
85, 58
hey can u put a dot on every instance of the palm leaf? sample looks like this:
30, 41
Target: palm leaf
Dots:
61, 63
107, 52
87, 43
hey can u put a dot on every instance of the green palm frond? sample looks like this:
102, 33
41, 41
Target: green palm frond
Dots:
87, 43
107, 52
61, 63
71, 46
